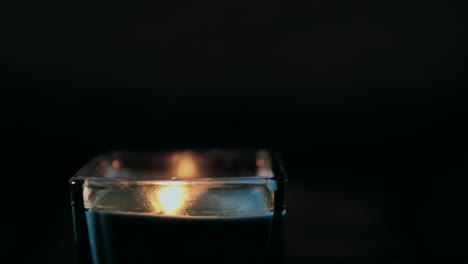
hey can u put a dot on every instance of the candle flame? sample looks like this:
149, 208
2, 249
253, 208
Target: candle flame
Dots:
186, 168
116, 164
260, 162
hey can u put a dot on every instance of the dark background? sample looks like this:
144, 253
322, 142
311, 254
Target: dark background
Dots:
365, 100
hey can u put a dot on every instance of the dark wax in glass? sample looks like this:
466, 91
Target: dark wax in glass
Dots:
124, 238
224, 220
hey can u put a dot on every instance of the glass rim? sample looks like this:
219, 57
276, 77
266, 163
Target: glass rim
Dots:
246, 179
86, 172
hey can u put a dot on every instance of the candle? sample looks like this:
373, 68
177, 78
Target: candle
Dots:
186, 218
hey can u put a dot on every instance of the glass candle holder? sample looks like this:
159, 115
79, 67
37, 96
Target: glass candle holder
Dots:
214, 206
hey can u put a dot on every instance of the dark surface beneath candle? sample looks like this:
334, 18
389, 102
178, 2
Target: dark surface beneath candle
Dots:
118, 238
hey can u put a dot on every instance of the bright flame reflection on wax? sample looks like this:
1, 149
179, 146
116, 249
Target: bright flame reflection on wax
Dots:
171, 198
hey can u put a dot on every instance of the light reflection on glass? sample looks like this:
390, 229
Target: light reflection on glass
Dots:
168, 199
171, 198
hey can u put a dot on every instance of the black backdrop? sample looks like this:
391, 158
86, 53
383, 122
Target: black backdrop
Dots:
365, 100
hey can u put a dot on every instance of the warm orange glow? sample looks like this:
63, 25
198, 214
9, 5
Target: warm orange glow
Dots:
116, 164
260, 162
186, 168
